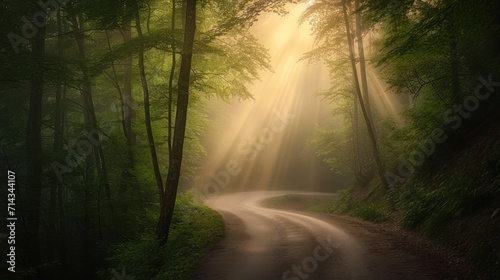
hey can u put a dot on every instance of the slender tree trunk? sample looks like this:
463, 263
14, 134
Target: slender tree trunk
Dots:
32, 201
366, 176
174, 169
127, 119
128, 110
362, 64
57, 211
89, 113
455, 74
360, 97
89, 117
57, 148
355, 133
454, 60
171, 83
59, 129
62, 230
147, 113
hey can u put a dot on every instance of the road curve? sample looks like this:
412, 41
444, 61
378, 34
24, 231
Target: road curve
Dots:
269, 244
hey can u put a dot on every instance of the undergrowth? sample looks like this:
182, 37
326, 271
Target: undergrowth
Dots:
195, 229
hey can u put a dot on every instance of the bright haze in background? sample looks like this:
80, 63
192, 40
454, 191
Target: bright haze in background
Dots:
265, 141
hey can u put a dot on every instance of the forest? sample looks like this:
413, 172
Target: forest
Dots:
130, 129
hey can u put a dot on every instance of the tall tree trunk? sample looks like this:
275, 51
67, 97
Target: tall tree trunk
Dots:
369, 126
57, 148
365, 176
32, 201
355, 133
59, 128
456, 88
62, 231
128, 110
89, 117
174, 168
127, 119
171, 83
362, 64
454, 59
89, 112
56, 199
147, 113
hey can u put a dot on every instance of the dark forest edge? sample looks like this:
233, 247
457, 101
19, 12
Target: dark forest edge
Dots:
435, 168
94, 101
195, 229
456, 206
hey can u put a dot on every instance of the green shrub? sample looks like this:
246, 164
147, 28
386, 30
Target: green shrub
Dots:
343, 203
195, 228
369, 212
432, 203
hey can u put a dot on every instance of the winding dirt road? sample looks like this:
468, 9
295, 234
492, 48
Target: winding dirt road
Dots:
269, 244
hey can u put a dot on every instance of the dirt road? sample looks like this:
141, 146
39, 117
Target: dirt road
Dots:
269, 244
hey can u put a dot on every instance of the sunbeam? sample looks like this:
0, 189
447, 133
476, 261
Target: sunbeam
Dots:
385, 102
267, 137
265, 140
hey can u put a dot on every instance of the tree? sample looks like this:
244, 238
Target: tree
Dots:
89, 113
32, 204
174, 169
240, 15
147, 115
329, 26
371, 132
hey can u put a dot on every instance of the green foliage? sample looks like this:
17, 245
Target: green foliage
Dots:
90, 60
334, 148
138, 259
399, 141
431, 52
195, 229
343, 203
297, 202
485, 253
370, 212
430, 204
239, 59
374, 210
